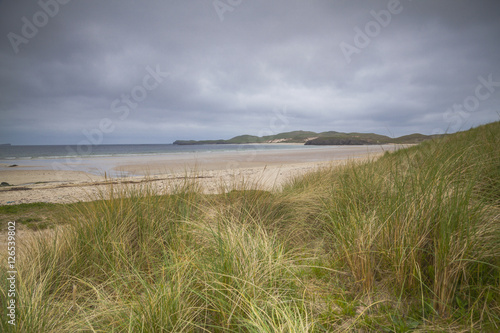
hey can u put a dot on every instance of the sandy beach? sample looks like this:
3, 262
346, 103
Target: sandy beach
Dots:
215, 172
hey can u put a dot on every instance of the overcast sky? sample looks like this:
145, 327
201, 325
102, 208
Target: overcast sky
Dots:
123, 71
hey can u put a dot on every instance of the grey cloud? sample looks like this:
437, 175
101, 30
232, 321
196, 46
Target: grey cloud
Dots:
228, 77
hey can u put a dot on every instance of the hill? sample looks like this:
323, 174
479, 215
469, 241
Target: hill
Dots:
313, 138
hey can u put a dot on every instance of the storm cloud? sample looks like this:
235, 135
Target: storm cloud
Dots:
156, 71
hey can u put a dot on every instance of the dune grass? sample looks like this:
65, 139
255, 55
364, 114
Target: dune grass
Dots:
408, 242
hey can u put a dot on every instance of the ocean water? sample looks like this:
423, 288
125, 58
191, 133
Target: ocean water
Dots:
104, 158
12, 153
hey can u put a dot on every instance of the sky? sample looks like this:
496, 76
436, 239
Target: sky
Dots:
126, 72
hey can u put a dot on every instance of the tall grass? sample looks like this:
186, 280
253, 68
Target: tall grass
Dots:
410, 241
423, 221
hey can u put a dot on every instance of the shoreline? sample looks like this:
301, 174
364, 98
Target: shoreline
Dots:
244, 159
215, 172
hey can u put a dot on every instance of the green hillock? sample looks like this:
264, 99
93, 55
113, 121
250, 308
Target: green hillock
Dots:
313, 138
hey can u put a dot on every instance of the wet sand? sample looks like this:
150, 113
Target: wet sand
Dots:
247, 159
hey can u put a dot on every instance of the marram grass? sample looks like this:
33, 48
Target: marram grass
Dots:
408, 242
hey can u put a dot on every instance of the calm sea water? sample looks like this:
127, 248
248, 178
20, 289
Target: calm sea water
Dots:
100, 158
13, 153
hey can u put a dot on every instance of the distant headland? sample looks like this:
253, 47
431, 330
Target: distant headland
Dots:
313, 138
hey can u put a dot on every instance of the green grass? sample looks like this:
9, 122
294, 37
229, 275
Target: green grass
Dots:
34, 216
408, 242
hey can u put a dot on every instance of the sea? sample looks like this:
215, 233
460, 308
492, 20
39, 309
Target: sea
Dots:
96, 159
